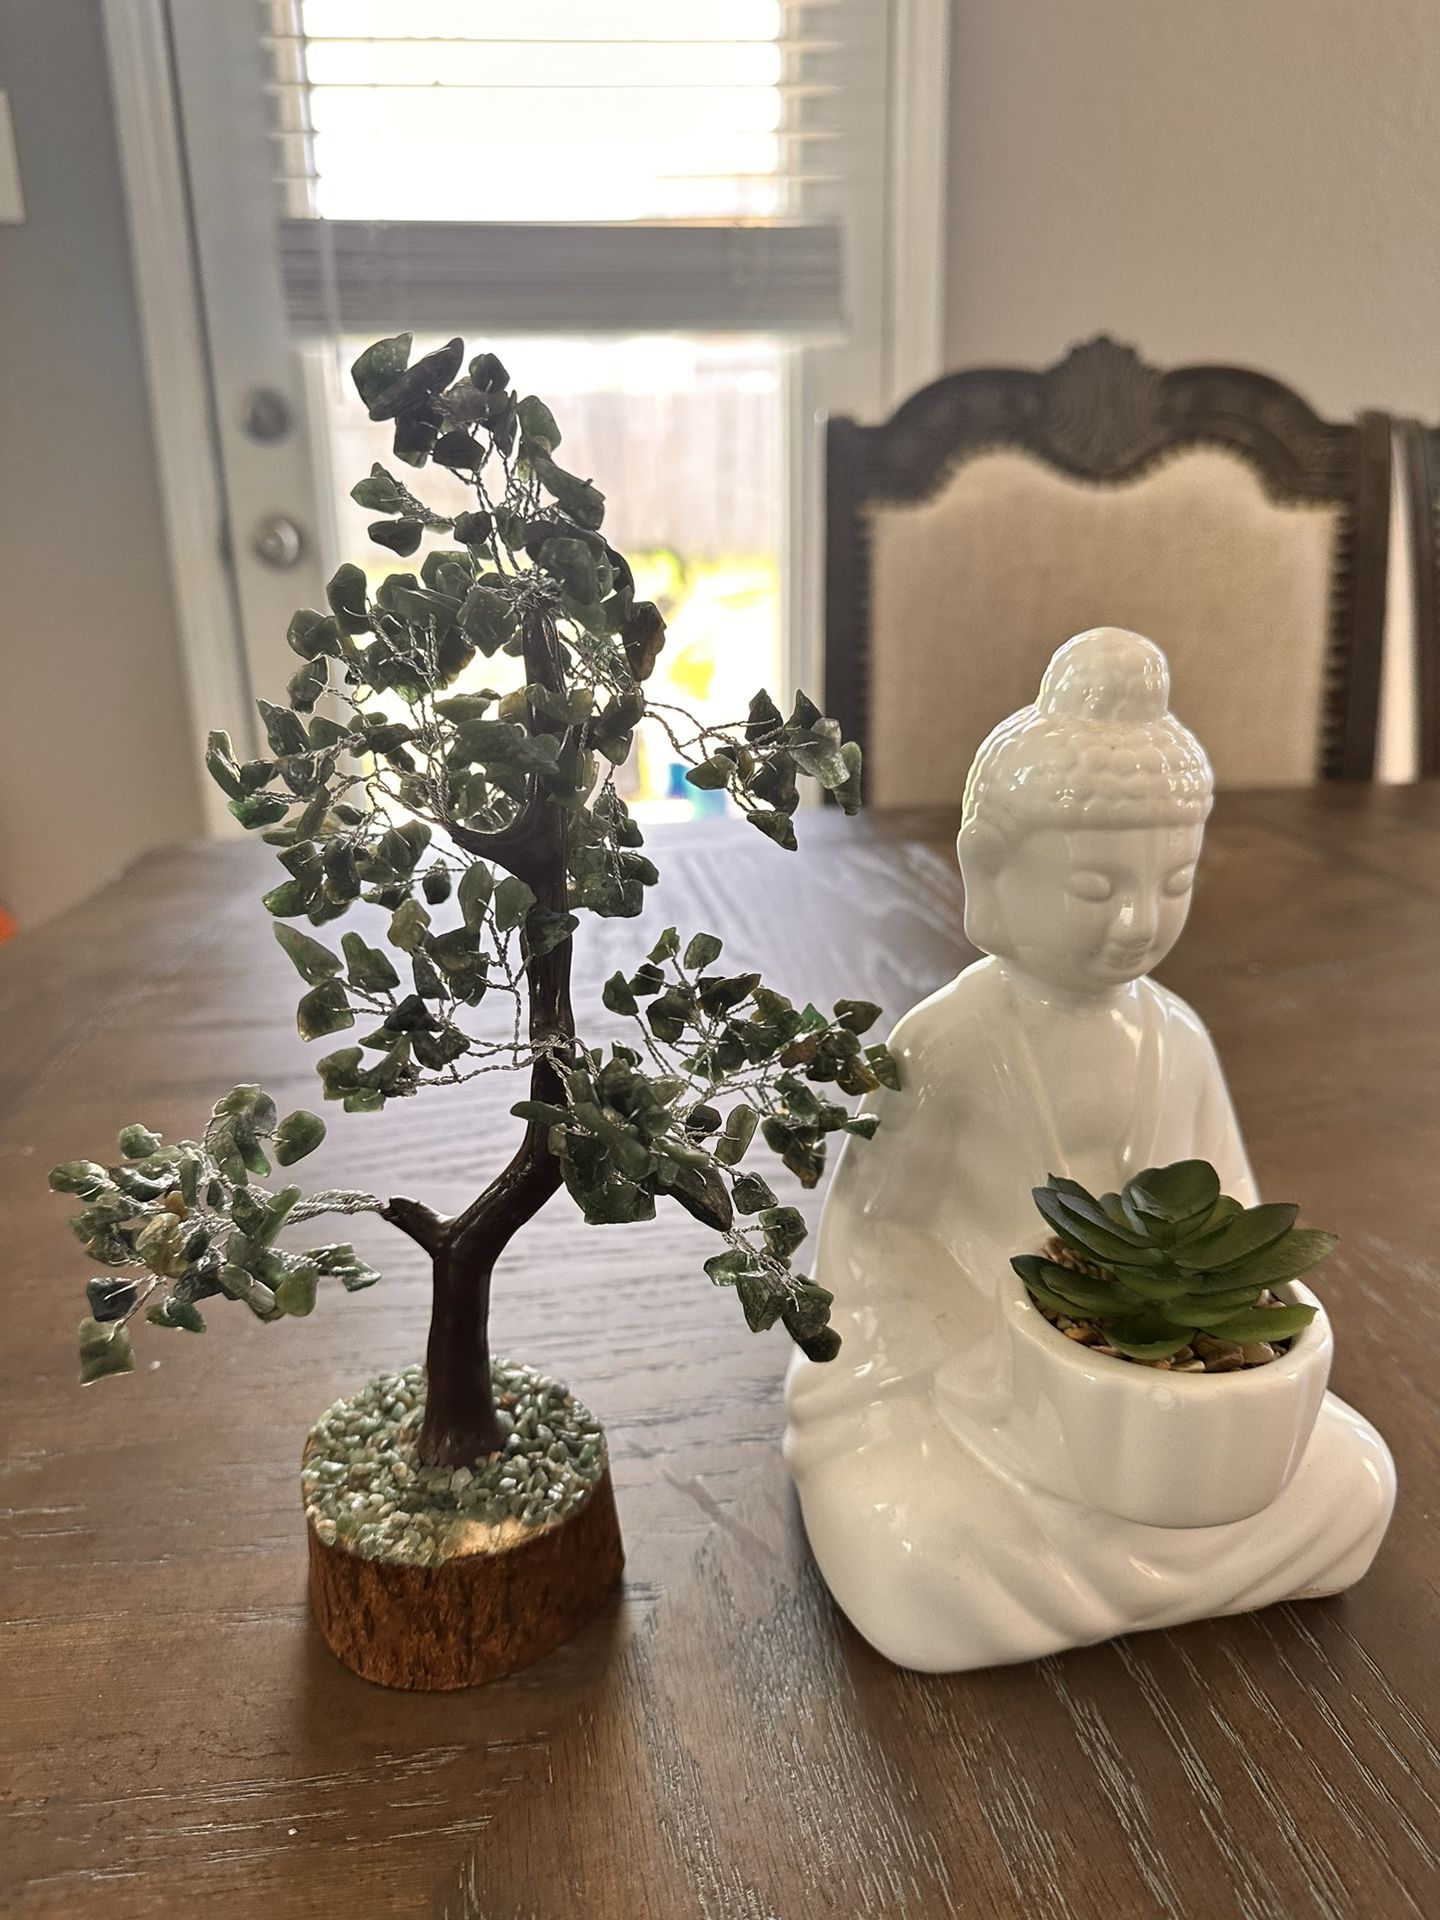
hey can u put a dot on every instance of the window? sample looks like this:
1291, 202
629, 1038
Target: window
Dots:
671, 213
631, 109
576, 178
687, 429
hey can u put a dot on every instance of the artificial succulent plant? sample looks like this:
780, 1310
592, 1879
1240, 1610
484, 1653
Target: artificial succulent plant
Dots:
1170, 1256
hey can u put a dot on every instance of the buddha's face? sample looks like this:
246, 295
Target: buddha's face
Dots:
1085, 909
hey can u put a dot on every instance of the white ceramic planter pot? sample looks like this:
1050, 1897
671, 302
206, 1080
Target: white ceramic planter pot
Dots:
1166, 1449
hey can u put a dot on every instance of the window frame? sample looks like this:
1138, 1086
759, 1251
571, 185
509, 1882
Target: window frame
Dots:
212, 323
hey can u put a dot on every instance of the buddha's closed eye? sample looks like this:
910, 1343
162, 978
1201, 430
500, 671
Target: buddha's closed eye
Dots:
1181, 881
1088, 885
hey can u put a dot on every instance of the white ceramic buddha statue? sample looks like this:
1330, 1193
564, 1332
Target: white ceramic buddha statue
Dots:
977, 1488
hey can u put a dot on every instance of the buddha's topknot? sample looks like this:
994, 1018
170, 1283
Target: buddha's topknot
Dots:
1107, 674
1099, 748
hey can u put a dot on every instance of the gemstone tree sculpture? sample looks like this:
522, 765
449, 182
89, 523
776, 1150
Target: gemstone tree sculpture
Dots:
485, 827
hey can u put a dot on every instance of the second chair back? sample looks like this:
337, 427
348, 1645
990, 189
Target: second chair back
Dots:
1421, 457
999, 510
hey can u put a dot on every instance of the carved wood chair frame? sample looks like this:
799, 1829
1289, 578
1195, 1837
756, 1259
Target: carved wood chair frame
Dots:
1103, 415
1420, 456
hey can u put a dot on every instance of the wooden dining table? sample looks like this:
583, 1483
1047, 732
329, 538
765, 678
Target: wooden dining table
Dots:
175, 1738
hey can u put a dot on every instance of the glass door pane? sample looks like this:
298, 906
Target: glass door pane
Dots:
684, 436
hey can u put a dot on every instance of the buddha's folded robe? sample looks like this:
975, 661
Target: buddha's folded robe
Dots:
921, 1221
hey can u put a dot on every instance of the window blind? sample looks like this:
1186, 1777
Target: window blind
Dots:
560, 165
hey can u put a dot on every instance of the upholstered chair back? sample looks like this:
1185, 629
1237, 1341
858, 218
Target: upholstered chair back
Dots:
998, 512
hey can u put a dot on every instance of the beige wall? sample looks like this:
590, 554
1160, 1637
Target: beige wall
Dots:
96, 762
1240, 180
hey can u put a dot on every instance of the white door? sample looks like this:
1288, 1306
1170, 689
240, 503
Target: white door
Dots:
666, 216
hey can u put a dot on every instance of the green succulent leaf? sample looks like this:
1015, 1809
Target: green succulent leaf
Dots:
1208, 1310
1179, 1257
1264, 1323
1098, 1242
1175, 1193
1296, 1253
1077, 1204
1079, 1292
1248, 1233
1144, 1340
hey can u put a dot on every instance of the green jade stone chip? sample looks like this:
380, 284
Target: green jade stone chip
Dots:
365, 1488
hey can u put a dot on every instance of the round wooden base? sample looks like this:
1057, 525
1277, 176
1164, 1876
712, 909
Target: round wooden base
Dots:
475, 1616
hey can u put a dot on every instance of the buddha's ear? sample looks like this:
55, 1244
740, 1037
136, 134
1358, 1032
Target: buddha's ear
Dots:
982, 853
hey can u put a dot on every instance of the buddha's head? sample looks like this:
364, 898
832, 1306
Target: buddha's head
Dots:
1083, 820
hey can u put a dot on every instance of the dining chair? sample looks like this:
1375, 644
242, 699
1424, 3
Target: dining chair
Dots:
999, 510
1420, 461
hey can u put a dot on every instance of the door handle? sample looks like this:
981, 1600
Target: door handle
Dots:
277, 541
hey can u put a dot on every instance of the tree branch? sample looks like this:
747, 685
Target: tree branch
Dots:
522, 842
425, 1227
504, 844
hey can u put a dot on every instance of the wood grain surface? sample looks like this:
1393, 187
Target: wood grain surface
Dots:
475, 1616
176, 1739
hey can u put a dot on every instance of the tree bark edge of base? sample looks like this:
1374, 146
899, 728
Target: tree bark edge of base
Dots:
474, 1617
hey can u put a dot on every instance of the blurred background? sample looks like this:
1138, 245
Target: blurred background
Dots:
695, 227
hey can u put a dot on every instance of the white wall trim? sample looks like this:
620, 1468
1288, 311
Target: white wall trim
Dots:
177, 373
919, 157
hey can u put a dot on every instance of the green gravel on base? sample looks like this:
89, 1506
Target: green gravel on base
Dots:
365, 1489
